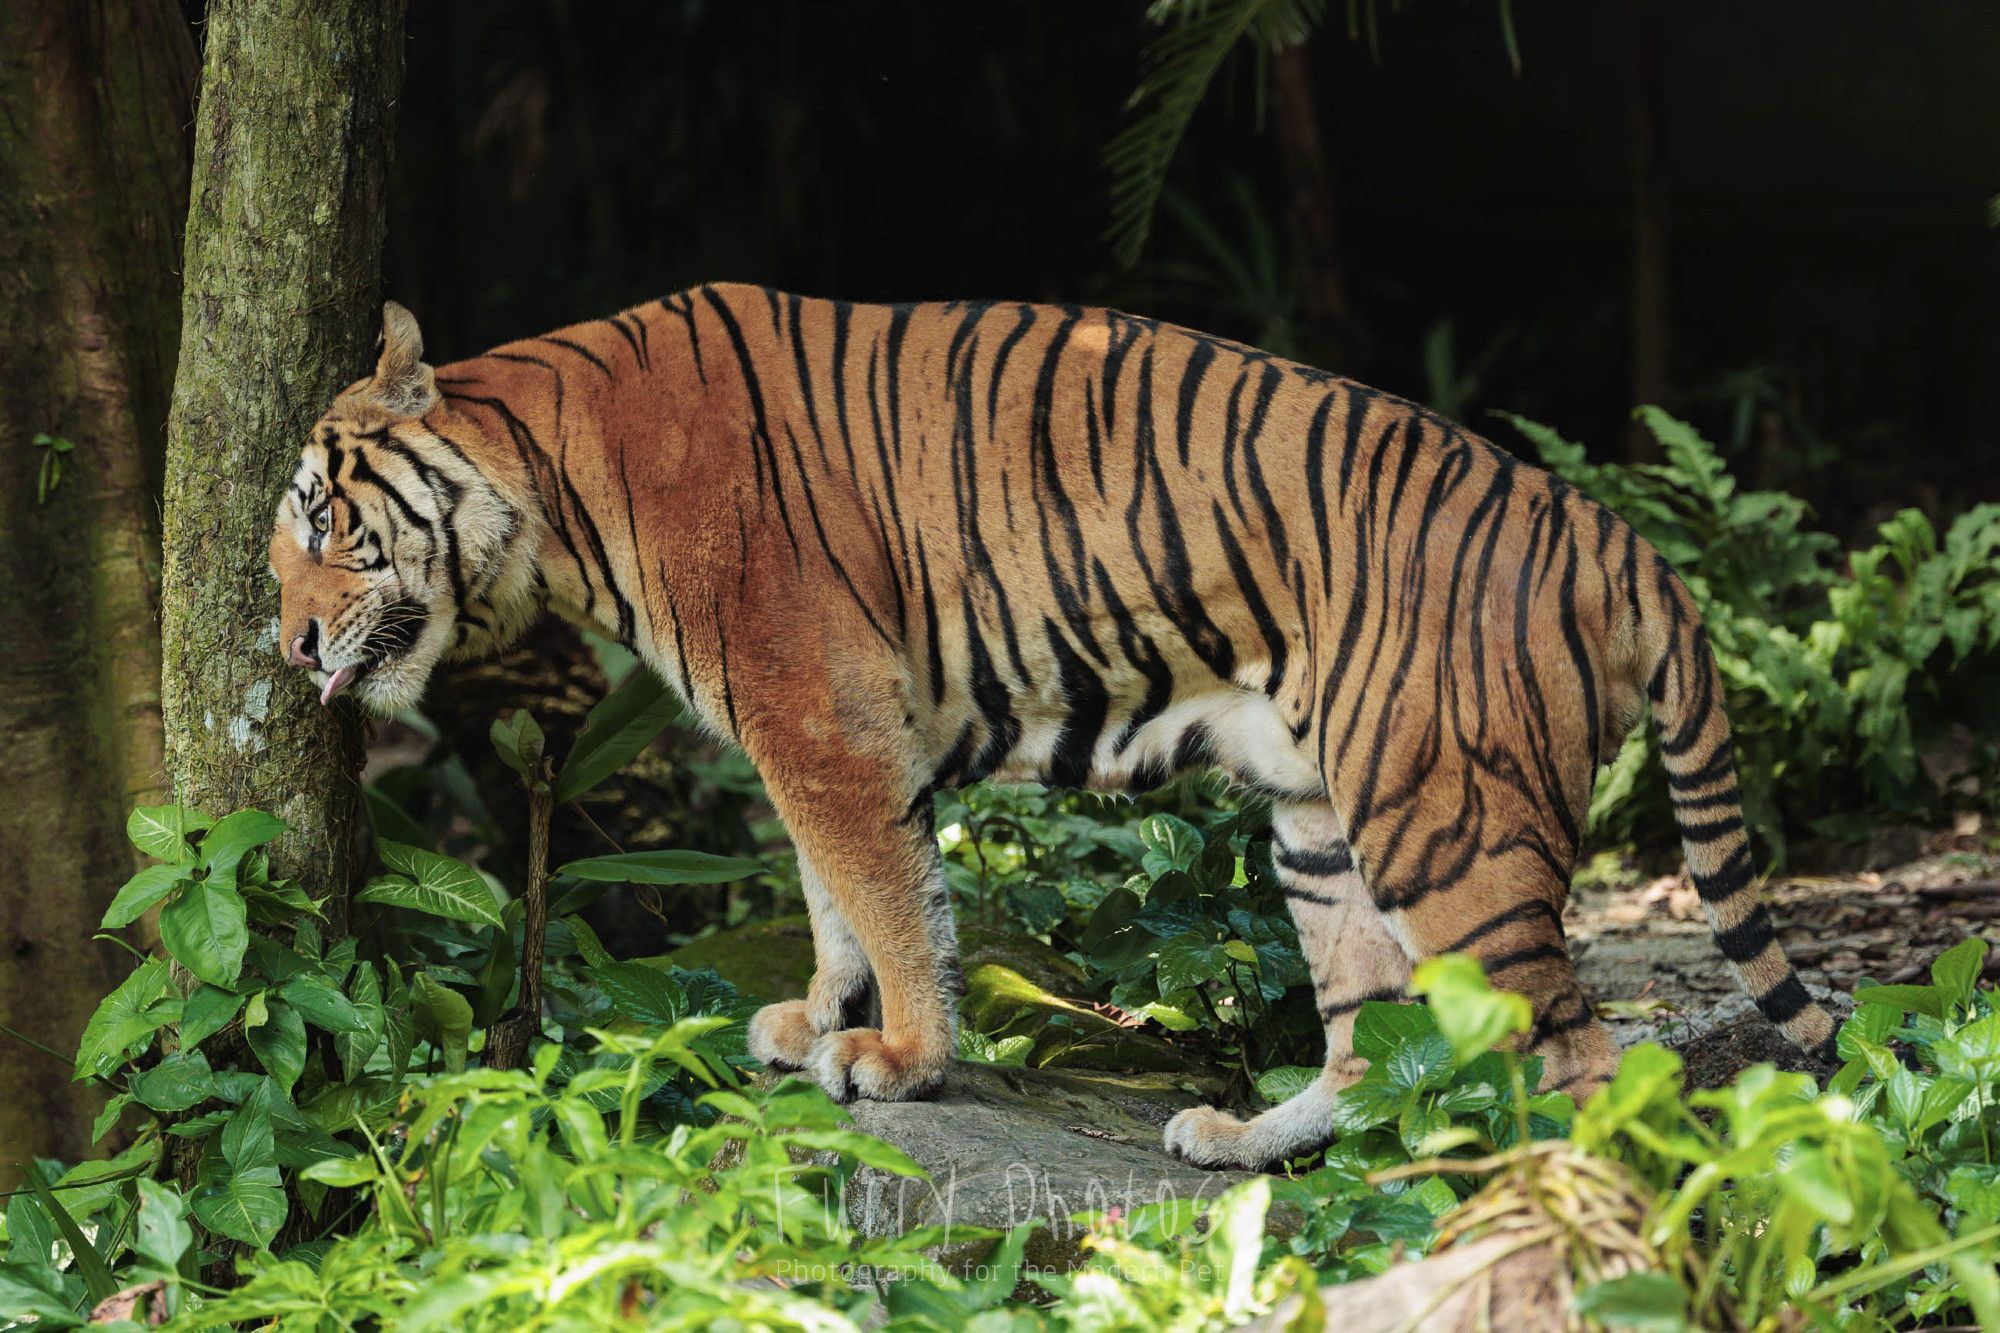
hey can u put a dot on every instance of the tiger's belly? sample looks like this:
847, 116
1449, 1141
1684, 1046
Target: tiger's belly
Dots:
1235, 730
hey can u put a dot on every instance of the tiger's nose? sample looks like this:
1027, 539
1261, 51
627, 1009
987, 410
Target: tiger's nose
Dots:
302, 653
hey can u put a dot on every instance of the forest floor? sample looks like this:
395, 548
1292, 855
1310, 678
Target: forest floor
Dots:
1644, 951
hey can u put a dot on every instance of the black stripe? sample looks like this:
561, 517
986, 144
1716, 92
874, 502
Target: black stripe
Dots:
1784, 1001
1088, 704
1380, 995
1533, 953
1534, 909
1748, 938
1733, 877
1336, 858
581, 351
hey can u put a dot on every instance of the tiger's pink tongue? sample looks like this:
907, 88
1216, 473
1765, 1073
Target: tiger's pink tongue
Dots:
338, 681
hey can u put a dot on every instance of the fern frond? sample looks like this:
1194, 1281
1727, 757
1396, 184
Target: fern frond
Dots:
1177, 67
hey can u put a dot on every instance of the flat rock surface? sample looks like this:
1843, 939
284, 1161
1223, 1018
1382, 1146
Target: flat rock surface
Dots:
1006, 1145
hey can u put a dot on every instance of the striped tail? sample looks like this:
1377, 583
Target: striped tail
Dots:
1686, 694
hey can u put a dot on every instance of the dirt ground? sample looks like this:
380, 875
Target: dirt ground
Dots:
1645, 954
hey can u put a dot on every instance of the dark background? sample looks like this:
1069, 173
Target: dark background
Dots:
1833, 274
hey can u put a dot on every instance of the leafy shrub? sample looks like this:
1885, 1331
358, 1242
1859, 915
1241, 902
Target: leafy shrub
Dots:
1842, 670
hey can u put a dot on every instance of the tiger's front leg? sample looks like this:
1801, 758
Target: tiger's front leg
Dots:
841, 995
843, 783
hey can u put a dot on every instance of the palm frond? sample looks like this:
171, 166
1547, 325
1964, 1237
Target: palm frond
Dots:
1177, 67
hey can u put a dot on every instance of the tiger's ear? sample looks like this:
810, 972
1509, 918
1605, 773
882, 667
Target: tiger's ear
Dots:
403, 384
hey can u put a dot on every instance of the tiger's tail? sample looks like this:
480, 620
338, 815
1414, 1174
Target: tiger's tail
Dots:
1686, 693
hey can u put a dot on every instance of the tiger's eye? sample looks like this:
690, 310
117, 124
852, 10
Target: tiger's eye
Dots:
322, 519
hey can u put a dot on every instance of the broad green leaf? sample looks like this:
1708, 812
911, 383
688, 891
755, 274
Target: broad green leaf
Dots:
209, 1010
1472, 1015
1382, 1027
321, 1004
206, 929
97, 1279
280, 1043
140, 892
443, 1017
662, 868
1906, 999
428, 882
176, 1083
1971, 1053
162, 831
233, 837
37, 1290
139, 1007
624, 722
1187, 961
343, 1172
1653, 1302
645, 994
1809, 1178
1957, 969
249, 1206
1423, 1063
1285, 1082
108, 1117
163, 1234
1171, 844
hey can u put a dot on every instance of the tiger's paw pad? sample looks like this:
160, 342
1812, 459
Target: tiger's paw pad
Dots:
861, 1062
1204, 1136
782, 1035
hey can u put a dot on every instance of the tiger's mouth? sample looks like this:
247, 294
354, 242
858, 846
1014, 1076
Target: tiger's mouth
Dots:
393, 637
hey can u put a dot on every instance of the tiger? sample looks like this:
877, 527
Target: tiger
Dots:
889, 550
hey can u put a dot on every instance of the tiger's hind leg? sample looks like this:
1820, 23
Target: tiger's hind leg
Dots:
1506, 911
1353, 959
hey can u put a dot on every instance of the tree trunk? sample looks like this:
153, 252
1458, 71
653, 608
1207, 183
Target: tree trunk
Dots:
93, 186
280, 308
1313, 212
1649, 230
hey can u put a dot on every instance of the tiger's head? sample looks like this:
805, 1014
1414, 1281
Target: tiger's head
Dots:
391, 544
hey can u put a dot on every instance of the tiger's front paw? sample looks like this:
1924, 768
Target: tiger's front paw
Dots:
861, 1062
782, 1034
1208, 1137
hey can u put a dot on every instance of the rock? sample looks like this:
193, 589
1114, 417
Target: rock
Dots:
1005, 1145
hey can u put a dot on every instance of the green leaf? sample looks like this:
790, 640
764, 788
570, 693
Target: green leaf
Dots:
163, 1234
354, 1048
138, 1008
321, 1004
1285, 1082
162, 831
1187, 961
1971, 1053
662, 868
37, 1290
140, 892
249, 1206
624, 723
518, 740
1957, 969
1382, 1027
176, 1083
1423, 1063
108, 1117
1649, 1301
97, 1279
1473, 1016
1171, 844
206, 929
209, 1010
280, 1043
443, 1017
343, 1172
233, 837
645, 994
1906, 999
1809, 1179
428, 882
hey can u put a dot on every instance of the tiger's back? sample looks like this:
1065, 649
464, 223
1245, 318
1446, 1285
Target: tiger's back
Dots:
892, 549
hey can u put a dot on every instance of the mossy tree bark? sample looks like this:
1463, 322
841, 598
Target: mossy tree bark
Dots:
280, 309
94, 95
